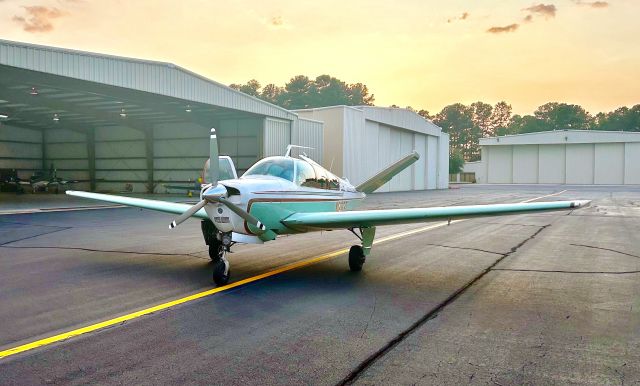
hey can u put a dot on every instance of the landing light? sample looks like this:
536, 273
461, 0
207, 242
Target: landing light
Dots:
188, 109
56, 118
123, 113
33, 91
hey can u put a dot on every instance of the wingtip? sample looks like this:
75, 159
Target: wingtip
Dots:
172, 225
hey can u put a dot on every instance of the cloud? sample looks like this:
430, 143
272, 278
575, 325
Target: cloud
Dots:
528, 19
592, 4
546, 10
277, 22
464, 16
38, 18
507, 28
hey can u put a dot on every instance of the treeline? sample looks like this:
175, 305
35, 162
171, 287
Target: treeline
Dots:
301, 92
465, 124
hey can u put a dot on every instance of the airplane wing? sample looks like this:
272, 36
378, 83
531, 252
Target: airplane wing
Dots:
162, 206
370, 218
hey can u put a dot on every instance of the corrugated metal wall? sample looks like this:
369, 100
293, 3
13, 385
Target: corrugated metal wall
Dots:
20, 149
67, 151
121, 158
308, 133
276, 136
154, 77
578, 163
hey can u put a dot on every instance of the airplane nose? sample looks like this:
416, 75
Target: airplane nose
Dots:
215, 192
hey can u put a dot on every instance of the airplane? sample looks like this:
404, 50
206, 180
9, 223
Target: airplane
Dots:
10, 181
286, 195
44, 180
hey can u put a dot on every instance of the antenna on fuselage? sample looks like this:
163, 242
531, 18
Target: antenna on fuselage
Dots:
288, 153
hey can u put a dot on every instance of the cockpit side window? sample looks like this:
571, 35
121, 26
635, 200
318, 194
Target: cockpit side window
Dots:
306, 176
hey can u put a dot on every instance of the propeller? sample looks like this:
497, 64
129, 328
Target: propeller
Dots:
215, 192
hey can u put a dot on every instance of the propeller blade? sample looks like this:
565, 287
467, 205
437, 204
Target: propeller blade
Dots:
214, 164
188, 213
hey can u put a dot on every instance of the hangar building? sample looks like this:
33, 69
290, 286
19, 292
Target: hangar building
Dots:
580, 157
118, 122
360, 140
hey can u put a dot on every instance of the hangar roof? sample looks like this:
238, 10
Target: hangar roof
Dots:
38, 82
391, 116
562, 137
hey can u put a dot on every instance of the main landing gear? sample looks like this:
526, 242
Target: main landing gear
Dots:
219, 244
358, 254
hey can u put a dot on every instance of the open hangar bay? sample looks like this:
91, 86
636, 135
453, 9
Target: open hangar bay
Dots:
130, 124
549, 298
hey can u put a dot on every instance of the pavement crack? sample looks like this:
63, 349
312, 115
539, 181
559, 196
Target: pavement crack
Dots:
33, 237
605, 249
465, 248
373, 358
375, 302
566, 271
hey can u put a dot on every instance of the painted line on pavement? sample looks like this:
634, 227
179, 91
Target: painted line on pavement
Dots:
134, 315
548, 195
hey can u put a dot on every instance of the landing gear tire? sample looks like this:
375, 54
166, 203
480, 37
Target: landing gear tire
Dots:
356, 258
221, 271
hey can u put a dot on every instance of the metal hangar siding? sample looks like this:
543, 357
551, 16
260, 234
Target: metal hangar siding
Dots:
120, 121
578, 157
360, 140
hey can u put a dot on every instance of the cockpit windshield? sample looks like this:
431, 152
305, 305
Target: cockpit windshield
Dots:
303, 172
275, 166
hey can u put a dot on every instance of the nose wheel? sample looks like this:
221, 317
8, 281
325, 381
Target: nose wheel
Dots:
221, 271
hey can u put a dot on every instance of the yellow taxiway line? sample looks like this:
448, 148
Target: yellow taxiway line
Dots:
314, 260
110, 322
548, 195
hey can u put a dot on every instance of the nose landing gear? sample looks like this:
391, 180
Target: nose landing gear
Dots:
219, 244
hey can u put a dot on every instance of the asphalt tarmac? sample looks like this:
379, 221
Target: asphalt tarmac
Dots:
547, 298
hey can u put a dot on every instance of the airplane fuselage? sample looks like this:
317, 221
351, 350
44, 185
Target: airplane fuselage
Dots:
273, 199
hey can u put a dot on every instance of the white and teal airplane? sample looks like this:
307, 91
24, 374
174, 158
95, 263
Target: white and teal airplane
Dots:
285, 195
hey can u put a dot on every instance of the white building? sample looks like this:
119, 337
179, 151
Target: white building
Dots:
583, 157
358, 141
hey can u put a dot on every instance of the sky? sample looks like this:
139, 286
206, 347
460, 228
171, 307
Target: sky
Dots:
420, 53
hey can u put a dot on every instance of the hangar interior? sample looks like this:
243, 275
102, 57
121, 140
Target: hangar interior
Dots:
360, 140
580, 157
119, 122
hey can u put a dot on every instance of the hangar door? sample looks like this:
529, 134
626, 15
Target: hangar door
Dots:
579, 164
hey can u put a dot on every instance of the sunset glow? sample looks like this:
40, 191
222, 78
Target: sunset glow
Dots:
425, 54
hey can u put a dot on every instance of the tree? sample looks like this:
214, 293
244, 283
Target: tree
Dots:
303, 92
562, 116
500, 118
251, 88
457, 121
481, 117
358, 95
456, 162
621, 119
272, 93
526, 124
425, 114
